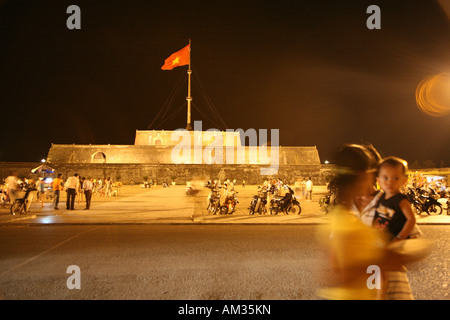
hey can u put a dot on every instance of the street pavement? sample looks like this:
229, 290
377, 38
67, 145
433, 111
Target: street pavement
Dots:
172, 206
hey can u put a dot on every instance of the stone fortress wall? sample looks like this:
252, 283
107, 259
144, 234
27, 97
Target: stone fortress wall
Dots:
138, 162
181, 173
64, 153
152, 157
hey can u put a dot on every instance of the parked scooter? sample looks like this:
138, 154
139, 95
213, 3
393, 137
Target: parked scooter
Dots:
259, 201
424, 202
287, 203
230, 202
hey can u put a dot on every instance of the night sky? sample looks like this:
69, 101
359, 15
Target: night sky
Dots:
311, 69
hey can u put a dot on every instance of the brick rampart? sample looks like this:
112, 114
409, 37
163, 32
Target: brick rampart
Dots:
137, 154
168, 172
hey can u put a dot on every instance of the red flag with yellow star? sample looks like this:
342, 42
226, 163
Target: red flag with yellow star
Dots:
179, 58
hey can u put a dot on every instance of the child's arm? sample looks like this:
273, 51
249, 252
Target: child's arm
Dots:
405, 206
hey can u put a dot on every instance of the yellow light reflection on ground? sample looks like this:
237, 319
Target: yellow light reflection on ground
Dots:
433, 95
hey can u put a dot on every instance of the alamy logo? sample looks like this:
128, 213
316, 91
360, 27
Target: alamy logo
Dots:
374, 281
374, 21
74, 20
216, 147
73, 281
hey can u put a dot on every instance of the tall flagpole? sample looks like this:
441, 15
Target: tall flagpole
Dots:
189, 98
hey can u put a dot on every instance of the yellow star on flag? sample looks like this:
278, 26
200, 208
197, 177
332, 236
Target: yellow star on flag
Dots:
179, 58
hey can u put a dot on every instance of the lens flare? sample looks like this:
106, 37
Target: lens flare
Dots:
433, 95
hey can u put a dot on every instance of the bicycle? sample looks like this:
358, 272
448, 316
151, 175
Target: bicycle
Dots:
20, 205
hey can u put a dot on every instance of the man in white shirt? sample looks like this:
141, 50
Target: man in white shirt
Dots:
72, 184
12, 187
87, 187
309, 186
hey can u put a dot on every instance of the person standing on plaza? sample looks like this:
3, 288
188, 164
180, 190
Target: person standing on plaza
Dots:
279, 185
71, 185
80, 192
40, 185
12, 187
87, 187
303, 185
108, 187
100, 188
57, 186
225, 187
309, 188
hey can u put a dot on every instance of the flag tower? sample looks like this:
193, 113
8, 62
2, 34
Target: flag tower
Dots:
189, 97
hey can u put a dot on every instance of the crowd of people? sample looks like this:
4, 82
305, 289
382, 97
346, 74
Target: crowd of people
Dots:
273, 186
78, 189
227, 185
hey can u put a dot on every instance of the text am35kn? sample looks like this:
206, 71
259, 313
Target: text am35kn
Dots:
241, 309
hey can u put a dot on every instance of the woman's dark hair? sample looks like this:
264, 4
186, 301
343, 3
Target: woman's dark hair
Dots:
376, 157
350, 160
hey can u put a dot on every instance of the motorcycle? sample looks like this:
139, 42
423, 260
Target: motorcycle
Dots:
326, 203
213, 201
448, 203
423, 202
230, 202
21, 205
411, 195
287, 203
259, 202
